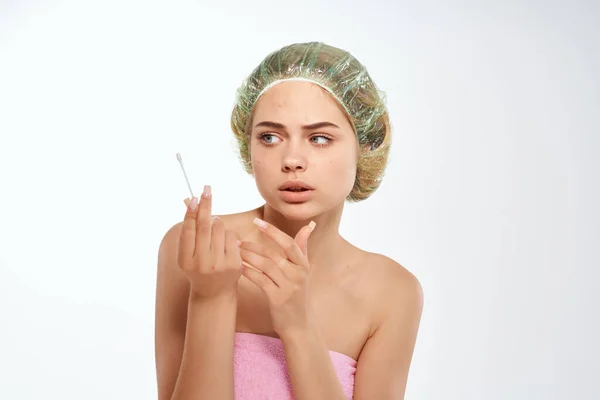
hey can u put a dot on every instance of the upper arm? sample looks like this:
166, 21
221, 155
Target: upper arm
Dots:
383, 365
172, 291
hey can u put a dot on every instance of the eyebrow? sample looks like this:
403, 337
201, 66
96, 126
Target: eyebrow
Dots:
277, 125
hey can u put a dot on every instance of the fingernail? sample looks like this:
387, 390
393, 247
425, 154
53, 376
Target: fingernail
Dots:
186, 202
193, 204
239, 243
261, 224
312, 225
215, 217
207, 191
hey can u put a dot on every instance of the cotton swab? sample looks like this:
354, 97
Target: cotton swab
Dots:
184, 174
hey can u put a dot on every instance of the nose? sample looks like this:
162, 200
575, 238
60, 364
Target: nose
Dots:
294, 161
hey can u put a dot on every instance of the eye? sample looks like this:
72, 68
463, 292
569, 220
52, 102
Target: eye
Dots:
267, 138
320, 140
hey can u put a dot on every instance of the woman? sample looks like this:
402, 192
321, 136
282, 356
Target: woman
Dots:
273, 303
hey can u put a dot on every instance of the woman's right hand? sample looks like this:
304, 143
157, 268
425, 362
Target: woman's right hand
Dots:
208, 254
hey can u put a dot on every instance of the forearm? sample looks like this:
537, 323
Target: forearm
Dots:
206, 370
310, 367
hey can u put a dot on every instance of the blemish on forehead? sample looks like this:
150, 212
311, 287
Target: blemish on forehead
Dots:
300, 103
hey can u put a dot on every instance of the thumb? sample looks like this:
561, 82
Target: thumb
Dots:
303, 235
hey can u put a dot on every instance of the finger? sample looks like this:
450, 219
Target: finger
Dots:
263, 250
217, 241
289, 246
203, 223
232, 249
279, 260
260, 280
187, 236
303, 235
264, 265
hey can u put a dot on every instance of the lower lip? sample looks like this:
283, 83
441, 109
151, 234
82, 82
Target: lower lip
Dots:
296, 197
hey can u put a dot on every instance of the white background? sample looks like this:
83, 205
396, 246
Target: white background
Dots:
491, 196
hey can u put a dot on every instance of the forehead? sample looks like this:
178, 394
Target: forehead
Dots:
298, 101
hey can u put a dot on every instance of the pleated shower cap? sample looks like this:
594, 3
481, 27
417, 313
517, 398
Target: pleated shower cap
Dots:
346, 80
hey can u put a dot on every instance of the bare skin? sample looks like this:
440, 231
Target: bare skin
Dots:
365, 305
343, 317
349, 301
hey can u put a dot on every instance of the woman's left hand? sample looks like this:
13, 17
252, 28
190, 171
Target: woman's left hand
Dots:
283, 278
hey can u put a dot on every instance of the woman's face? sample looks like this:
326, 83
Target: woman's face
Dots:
300, 136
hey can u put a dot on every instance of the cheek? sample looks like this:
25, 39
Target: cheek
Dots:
342, 169
261, 164
255, 156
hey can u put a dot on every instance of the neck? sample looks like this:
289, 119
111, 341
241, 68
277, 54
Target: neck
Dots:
324, 243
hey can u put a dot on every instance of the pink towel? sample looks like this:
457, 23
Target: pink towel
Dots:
260, 371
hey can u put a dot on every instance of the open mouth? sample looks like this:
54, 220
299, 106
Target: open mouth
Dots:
295, 186
295, 190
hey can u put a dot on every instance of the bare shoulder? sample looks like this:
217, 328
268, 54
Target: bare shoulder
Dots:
396, 277
397, 290
171, 236
396, 307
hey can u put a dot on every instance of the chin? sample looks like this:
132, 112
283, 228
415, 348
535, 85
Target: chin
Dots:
300, 211
297, 211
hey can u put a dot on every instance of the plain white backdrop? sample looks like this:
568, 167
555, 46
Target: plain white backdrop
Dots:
490, 199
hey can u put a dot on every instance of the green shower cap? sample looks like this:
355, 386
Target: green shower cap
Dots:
346, 80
